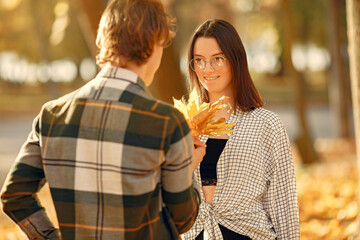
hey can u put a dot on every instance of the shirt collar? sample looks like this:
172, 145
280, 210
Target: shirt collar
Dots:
122, 74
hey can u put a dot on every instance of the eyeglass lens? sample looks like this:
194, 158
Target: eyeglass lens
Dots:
199, 64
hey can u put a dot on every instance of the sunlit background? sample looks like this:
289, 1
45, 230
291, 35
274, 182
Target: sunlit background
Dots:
297, 54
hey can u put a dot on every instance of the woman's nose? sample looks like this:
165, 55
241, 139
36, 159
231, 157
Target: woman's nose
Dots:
208, 67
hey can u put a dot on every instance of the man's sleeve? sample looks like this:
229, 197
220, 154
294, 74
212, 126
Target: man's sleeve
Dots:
179, 194
21, 186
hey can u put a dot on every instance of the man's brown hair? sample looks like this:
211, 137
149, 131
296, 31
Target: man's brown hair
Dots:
129, 29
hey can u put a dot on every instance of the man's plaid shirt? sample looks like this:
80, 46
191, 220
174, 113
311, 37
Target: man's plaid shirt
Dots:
118, 163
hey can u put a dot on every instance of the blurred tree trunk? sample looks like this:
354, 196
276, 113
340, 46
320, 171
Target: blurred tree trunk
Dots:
224, 10
338, 85
42, 41
353, 22
169, 81
303, 141
88, 15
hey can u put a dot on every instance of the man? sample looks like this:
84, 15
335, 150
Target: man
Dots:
118, 161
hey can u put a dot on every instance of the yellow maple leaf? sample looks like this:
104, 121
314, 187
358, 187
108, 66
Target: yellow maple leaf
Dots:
180, 106
200, 117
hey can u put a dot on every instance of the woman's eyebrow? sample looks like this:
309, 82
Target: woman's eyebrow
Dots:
199, 55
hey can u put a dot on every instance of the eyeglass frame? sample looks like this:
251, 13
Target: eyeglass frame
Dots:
206, 60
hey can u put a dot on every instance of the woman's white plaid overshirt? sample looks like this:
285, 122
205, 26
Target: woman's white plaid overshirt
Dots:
256, 187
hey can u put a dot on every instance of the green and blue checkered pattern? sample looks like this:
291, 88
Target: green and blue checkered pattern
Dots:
118, 163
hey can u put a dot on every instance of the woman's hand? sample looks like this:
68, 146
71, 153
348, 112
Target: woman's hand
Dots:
198, 152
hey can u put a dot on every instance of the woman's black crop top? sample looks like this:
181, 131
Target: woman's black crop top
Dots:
208, 165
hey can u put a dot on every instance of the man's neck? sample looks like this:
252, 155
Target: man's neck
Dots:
141, 71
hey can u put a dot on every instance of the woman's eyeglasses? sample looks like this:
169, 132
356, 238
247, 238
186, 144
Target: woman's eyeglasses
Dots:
199, 64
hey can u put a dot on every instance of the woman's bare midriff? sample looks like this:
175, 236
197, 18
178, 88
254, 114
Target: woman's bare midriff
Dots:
209, 193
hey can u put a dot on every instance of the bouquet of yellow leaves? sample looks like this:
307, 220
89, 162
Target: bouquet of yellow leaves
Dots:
200, 117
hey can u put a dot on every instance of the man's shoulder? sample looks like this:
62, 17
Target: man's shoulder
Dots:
158, 107
157, 114
61, 101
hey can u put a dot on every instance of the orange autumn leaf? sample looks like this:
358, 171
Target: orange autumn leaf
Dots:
200, 117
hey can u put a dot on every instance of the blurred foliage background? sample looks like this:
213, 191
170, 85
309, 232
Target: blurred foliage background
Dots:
297, 53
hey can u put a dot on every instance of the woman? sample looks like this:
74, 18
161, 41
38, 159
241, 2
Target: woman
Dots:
248, 181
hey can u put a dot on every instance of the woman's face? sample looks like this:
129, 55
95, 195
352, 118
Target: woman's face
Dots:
216, 82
